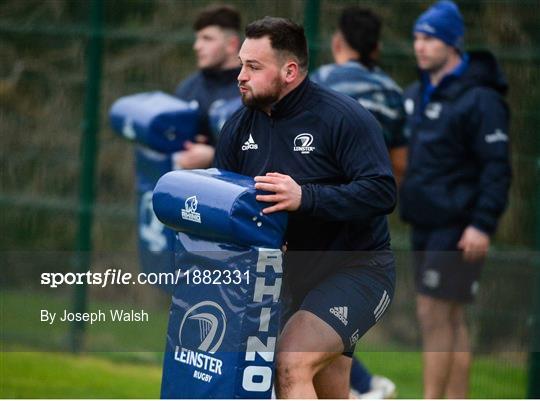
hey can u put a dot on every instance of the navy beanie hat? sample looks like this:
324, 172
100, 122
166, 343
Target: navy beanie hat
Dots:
443, 21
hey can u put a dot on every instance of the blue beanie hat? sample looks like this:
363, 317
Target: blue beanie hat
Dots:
443, 21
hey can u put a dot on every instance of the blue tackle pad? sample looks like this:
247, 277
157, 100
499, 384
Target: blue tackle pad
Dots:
155, 120
155, 241
224, 315
158, 125
217, 205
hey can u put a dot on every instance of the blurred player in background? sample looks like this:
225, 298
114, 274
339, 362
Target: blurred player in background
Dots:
356, 49
455, 187
217, 41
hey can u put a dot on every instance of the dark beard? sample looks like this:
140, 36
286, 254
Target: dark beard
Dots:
262, 102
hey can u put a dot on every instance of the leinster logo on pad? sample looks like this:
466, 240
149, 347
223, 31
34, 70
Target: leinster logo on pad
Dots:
200, 334
203, 327
190, 210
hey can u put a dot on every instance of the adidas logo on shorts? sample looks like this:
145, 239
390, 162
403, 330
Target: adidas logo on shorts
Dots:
341, 313
381, 307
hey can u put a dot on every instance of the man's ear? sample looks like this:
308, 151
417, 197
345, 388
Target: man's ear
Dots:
233, 44
291, 70
337, 42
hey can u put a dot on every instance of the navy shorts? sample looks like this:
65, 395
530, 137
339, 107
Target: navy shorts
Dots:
440, 271
351, 300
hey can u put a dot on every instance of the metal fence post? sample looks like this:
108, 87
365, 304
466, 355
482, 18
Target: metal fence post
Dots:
533, 390
311, 26
88, 154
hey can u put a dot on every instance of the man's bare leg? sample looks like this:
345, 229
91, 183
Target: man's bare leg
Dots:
458, 380
331, 379
438, 336
306, 346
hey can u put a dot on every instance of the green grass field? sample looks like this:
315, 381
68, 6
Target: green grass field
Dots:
491, 377
136, 374
61, 375
21, 325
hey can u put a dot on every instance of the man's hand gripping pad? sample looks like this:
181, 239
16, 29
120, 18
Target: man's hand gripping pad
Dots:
224, 316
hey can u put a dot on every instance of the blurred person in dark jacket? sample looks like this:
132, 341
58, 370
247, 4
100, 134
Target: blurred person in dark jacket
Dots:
455, 187
217, 30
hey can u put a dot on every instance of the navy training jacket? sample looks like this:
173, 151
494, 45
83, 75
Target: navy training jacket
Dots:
459, 169
208, 87
334, 149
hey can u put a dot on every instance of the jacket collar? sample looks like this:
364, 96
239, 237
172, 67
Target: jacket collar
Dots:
446, 86
292, 102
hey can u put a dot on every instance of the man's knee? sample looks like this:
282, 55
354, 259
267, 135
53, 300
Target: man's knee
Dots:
433, 313
457, 317
306, 346
293, 368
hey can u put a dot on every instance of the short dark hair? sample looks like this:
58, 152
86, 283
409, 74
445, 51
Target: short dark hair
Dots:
285, 36
361, 28
226, 17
